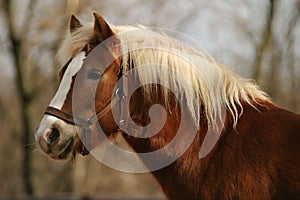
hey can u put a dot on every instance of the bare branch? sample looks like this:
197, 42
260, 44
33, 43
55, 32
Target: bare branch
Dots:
267, 35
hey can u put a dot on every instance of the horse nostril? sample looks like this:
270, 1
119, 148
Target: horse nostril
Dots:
53, 135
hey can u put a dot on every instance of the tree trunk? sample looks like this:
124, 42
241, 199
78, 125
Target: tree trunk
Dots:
262, 48
24, 97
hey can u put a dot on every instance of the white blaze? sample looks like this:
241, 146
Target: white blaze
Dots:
61, 95
65, 85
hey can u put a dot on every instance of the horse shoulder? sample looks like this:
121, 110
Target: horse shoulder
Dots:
271, 137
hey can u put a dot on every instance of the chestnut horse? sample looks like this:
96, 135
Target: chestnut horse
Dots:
256, 153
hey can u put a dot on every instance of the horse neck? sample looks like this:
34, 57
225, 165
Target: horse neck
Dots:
187, 171
139, 112
139, 107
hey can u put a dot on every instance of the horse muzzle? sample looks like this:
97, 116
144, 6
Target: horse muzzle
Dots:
58, 139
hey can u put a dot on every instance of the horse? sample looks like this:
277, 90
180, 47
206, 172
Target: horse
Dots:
254, 156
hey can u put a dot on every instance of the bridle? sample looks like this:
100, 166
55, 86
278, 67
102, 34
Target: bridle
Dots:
119, 97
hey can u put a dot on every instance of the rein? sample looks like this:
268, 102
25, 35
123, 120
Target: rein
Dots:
85, 124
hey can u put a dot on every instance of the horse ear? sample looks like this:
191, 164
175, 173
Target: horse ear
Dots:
101, 29
74, 24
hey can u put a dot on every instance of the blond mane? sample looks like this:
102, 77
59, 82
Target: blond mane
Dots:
200, 81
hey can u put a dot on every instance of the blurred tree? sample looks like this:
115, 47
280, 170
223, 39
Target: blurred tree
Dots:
17, 39
265, 42
275, 58
291, 57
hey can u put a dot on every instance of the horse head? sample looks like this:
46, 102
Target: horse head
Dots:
60, 129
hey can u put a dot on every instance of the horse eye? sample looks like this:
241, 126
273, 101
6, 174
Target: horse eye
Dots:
94, 74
